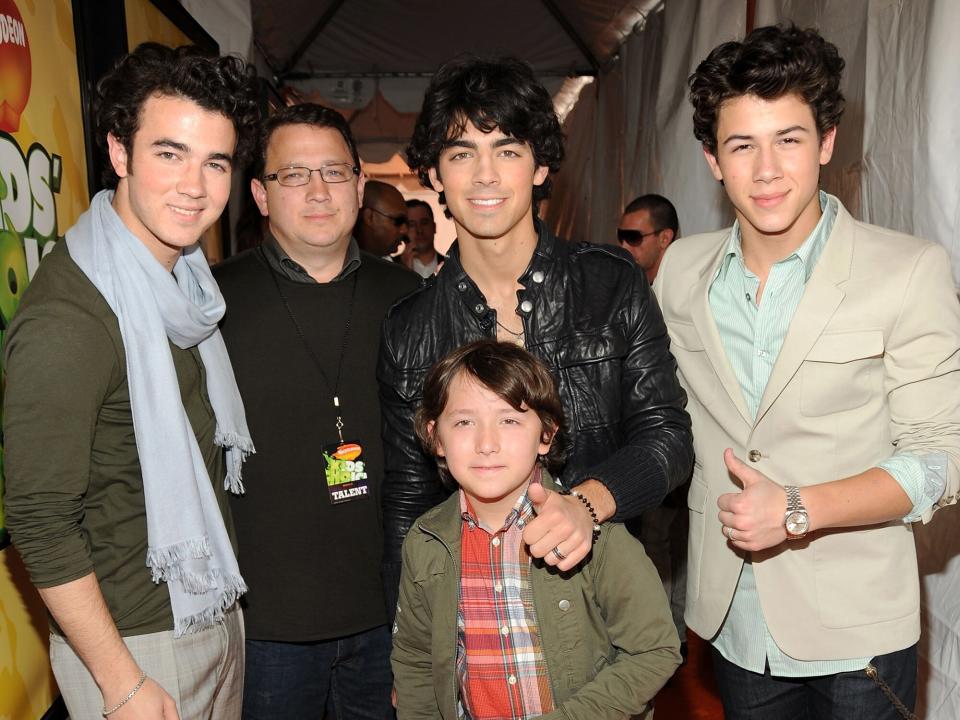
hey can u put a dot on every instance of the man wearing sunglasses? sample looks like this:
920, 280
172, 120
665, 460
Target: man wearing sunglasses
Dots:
302, 326
648, 226
382, 221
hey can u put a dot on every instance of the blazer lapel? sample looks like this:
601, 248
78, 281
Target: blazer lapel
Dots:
820, 300
702, 316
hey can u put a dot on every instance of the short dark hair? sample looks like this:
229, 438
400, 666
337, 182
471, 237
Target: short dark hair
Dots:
421, 204
224, 85
505, 369
771, 62
304, 114
663, 214
501, 93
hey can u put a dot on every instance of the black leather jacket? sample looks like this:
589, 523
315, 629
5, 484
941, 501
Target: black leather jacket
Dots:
589, 313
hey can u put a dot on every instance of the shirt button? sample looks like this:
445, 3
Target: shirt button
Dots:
526, 306
462, 286
564, 605
512, 679
495, 542
538, 276
754, 456
504, 630
498, 587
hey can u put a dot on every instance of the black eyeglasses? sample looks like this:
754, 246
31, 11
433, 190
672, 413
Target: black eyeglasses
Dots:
398, 220
634, 237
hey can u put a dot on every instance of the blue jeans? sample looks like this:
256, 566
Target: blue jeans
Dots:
845, 696
347, 678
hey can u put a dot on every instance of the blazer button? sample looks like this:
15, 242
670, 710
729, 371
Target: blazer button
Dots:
754, 456
564, 605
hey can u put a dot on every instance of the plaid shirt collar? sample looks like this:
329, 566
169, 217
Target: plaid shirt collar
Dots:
520, 515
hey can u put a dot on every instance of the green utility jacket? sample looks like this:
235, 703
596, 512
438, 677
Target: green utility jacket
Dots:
606, 630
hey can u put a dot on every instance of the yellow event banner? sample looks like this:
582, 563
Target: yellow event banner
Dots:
43, 189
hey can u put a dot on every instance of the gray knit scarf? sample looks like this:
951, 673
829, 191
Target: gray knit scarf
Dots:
187, 542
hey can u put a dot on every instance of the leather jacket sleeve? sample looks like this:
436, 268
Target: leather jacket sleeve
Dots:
656, 455
411, 484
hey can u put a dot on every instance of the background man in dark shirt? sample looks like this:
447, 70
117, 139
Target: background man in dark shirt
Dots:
302, 329
382, 220
648, 226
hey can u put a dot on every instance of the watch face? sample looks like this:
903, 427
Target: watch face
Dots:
797, 523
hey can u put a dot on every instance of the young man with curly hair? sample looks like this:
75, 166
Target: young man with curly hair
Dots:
121, 399
821, 356
487, 139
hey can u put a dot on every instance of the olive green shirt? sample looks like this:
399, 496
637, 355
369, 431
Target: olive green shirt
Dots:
74, 491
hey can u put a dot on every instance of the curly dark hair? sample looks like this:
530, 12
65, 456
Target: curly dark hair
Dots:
771, 62
500, 93
304, 114
225, 85
507, 370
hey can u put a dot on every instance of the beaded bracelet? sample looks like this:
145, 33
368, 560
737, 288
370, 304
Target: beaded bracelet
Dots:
128, 698
593, 513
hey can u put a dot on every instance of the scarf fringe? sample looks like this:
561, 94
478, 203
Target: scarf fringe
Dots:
165, 562
233, 588
238, 449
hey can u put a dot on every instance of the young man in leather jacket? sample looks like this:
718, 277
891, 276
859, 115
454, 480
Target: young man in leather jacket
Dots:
487, 139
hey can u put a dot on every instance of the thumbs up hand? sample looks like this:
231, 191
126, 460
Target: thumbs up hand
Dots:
752, 519
562, 531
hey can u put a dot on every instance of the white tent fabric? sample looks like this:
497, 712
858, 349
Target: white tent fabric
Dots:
632, 131
895, 165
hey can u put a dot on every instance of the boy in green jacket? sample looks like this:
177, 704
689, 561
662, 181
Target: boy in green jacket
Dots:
483, 630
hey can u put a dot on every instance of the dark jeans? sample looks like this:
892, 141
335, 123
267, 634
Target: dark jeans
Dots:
845, 696
347, 678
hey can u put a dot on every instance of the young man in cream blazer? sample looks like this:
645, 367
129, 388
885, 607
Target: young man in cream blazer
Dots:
821, 359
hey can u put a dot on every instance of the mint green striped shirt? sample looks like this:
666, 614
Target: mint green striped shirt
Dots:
752, 336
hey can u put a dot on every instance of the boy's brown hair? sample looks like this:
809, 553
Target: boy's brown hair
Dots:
511, 373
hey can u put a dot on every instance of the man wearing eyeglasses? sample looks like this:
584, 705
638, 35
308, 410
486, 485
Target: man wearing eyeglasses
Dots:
382, 221
302, 327
648, 226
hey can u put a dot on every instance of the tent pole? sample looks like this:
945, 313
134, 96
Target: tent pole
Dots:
572, 33
315, 31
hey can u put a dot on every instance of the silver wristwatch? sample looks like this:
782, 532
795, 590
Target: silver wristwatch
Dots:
795, 520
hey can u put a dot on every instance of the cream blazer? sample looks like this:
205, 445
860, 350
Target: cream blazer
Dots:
870, 365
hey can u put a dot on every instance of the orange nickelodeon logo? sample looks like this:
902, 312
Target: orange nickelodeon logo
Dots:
15, 69
348, 451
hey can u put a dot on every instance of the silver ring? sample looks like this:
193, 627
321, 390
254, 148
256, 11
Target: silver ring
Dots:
729, 533
560, 555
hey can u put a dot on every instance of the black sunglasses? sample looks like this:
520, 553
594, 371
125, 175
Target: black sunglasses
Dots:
633, 237
398, 220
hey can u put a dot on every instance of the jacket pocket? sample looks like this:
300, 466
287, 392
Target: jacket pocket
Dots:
589, 368
685, 337
842, 371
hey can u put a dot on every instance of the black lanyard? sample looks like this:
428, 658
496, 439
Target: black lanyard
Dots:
334, 389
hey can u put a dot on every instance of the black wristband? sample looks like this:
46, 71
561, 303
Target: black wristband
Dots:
593, 513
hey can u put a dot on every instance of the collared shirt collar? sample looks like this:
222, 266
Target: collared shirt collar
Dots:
284, 265
808, 253
520, 515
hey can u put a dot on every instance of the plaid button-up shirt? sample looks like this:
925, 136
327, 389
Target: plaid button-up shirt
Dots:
501, 669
